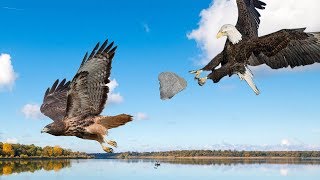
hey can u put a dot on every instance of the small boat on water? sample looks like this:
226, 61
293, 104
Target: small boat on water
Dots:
157, 164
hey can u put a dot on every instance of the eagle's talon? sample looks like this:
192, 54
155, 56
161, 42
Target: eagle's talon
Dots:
202, 81
197, 73
113, 143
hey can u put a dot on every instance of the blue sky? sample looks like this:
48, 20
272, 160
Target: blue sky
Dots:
47, 40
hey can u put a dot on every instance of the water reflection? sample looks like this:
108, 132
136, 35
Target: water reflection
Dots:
228, 161
170, 169
8, 167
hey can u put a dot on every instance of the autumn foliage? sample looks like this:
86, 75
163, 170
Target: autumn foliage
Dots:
57, 151
24, 151
7, 149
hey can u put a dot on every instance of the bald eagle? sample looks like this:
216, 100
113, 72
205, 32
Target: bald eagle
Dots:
243, 48
75, 106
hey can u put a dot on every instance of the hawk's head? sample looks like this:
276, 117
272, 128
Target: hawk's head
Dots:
56, 128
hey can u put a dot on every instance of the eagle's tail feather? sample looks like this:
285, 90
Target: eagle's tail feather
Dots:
248, 77
114, 121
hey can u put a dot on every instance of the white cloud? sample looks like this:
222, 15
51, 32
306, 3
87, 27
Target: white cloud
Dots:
142, 116
11, 140
32, 111
285, 142
276, 16
112, 85
285, 145
114, 98
224, 146
7, 74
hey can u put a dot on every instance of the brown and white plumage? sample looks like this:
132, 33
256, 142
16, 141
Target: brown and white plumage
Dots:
75, 106
243, 48
88, 90
55, 100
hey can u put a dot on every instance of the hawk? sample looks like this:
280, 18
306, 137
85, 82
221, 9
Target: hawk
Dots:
75, 106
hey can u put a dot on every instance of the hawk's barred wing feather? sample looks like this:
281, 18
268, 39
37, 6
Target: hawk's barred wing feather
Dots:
55, 100
88, 90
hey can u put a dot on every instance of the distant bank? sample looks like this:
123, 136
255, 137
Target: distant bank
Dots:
209, 154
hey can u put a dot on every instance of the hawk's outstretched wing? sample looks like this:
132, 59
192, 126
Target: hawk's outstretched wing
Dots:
55, 100
88, 89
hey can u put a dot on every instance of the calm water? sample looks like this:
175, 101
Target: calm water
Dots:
145, 169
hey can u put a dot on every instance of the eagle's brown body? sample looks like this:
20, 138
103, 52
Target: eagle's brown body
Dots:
285, 48
75, 106
281, 49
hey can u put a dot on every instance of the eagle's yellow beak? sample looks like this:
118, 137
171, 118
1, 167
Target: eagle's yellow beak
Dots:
220, 34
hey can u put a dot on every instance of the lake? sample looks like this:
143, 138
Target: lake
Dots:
169, 169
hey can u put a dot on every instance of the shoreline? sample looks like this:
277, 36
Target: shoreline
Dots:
218, 158
165, 158
44, 158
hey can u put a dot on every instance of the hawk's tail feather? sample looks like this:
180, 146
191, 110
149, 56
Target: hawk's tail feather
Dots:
114, 121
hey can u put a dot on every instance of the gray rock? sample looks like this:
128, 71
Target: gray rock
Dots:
170, 85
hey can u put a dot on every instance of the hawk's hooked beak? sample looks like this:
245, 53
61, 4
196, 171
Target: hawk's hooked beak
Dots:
220, 34
44, 130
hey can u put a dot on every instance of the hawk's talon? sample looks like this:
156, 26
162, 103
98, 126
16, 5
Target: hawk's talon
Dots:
113, 143
107, 149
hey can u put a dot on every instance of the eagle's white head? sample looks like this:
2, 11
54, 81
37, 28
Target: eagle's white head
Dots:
231, 32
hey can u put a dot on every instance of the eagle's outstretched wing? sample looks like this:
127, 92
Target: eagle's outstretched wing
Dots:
55, 100
214, 62
285, 48
88, 89
249, 17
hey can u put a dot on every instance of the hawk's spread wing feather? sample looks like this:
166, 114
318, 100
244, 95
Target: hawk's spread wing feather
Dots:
249, 17
88, 90
285, 48
55, 100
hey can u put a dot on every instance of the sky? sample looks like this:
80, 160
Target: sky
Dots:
43, 41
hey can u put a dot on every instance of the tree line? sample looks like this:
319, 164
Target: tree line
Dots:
8, 150
222, 153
